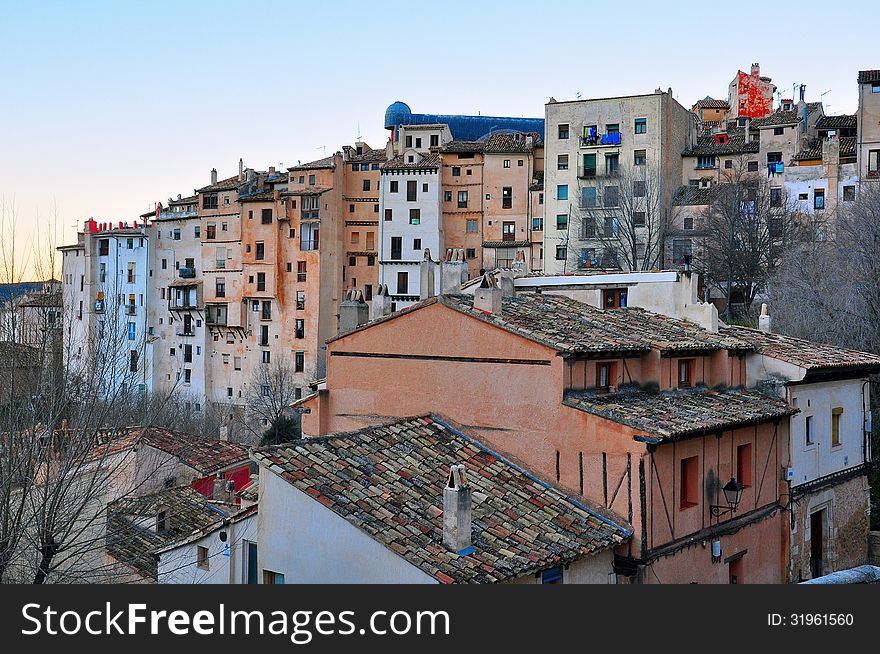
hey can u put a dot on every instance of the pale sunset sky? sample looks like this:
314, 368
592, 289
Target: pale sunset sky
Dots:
110, 107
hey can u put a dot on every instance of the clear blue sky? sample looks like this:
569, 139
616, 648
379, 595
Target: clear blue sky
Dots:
109, 107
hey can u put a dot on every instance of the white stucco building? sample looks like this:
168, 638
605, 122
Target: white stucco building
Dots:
409, 223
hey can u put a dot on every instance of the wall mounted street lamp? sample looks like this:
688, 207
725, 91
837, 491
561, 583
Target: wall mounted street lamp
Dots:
733, 491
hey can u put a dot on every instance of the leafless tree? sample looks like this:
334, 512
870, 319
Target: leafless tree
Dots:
621, 218
829, 289
271, 392
748, 225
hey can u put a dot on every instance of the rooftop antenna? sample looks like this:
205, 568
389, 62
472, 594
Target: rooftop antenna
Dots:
360, 137
323, 148
578, 95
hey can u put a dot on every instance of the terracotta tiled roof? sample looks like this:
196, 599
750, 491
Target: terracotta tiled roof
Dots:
847, 146
326, 162
204, 455
228, 184
868, 76
711, 103
810, 154
463, 146
677, 414
513, 142
694, 195
388, 482
506, 244
846, 121
736, 144
421, 161
367, 156
572, 327
802, 353
131, 524
776, 118
259, 196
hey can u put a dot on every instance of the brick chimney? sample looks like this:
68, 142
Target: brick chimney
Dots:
353, 312
381, 302
453, 272
426, 276
764, 321
487, 296
457, 511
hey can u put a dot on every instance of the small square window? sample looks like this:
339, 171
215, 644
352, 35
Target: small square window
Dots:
202, 554
563, 131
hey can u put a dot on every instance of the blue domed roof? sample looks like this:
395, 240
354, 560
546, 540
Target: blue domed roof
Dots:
396, 113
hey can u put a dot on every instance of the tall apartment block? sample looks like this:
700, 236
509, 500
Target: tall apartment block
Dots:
597, 152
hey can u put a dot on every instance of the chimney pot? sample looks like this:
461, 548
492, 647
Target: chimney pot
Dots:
426, 276
353, 312
457, 521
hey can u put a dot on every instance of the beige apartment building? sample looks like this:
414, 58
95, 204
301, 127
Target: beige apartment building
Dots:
601, 154
868, 119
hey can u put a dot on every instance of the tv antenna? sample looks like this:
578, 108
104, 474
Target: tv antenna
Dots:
323, 148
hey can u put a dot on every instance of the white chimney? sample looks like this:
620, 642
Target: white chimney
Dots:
240, 169
353, 312
457, 511
764, 322
381, 302
487, 296
213, 175
453, 272
426, 276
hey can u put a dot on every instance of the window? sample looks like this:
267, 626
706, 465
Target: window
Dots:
641, 126
508, 231
267, 356
418, 142
873, 163
388, 214
835, 426
447, 196
562, 221
875, 87
209, 201
588, 197
778, 131
808, 431
639, 189
299, 327
537, 223
551, 576
435, 140
311, 180
728, 164
274, 578
366, 185
507, 197
309, 236
162, 523
682, 249
612, 165
133, 361
261, 282
614, 298
300, 300
220, 287
402, 283
562, 162
472, 226
392, 186
604, 376
563, 131
456, 171
612, 128
260, 251
639, 219
562, 192
299, 362
640, 158
690, 482
775, 197
752, 166
507, 163
417, 244
685, 373
744, 464
411, 190
300, 271
202, 557
849, 193
706, 161
561, 252
266, 216
610, 196
396, 247
462, 199
104, 247
688, 222
819, 199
